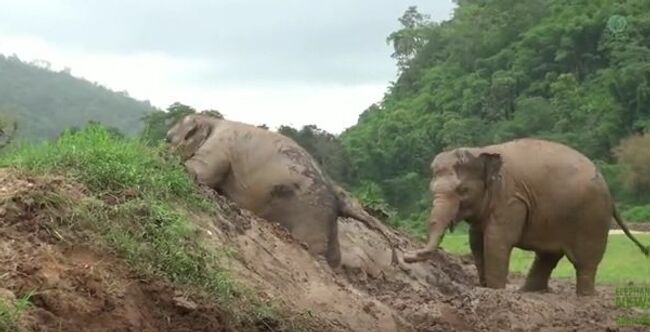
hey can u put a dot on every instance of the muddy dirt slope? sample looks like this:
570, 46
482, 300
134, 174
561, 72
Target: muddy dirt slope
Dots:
80, 288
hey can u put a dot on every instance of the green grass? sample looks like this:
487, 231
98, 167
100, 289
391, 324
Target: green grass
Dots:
148, 226
623, 261
10, 312
107, 164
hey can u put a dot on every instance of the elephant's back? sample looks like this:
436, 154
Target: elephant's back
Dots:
554, 175
268, 167
545, 160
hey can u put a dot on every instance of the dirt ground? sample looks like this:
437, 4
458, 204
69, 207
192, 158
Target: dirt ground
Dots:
79, 288
75, 287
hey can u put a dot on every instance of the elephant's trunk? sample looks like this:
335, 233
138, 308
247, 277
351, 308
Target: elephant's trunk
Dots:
444, 211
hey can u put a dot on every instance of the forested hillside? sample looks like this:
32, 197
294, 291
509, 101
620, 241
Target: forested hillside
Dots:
577, 72
45, 102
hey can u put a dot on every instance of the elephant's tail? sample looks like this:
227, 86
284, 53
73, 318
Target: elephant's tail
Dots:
348, 209
619, 221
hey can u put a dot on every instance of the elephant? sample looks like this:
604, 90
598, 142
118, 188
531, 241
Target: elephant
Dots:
270, 175
533, 194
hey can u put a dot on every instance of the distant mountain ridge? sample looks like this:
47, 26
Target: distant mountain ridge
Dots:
46, 102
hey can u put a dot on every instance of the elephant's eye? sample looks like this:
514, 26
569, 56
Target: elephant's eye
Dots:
462, 190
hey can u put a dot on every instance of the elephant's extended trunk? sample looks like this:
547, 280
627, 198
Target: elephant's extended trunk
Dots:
445, 210
443, 213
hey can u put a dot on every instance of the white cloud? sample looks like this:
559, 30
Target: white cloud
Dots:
163, 79
332, 107
290, 62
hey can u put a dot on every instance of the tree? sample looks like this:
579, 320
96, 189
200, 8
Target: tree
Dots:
157, 123
410, 39
323, 146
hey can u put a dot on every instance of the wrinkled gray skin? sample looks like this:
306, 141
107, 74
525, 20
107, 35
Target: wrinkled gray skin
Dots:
270, 175
531, 194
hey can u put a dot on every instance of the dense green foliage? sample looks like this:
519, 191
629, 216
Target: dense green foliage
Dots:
45, 102
575, 72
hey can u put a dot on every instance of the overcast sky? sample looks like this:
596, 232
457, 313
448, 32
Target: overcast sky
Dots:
258, 61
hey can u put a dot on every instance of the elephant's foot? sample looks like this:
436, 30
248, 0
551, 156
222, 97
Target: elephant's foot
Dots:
327, 265
535, 284
417, 256
585, 285
499, 285
535, 288
586, 292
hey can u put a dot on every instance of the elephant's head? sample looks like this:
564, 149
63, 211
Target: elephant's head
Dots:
460, 186
188, 134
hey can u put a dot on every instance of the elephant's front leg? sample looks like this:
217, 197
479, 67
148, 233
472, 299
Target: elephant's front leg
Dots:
476, 244
502, 232
208, 173
496, 259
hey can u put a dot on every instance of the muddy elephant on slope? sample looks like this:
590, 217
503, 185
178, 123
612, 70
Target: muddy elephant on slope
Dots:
531, 194
270, 175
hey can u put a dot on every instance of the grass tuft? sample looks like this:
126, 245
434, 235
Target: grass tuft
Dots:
106, 163
10, 312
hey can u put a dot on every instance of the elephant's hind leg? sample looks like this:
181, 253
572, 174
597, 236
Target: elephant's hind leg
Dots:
586, 258
540, 272
333, 254
585, 279
588, 248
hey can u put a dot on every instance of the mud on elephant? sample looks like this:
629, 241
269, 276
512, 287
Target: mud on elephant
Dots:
531, 194
270, 175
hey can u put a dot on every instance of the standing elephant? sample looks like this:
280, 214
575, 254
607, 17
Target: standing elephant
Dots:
270, 175
528, 193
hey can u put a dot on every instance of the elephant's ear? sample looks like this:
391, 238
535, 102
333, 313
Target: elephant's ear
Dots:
492, 163
192, 128
196, 133
199, 130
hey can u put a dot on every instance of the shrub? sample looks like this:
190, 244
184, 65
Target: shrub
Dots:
637, 214
634, 158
